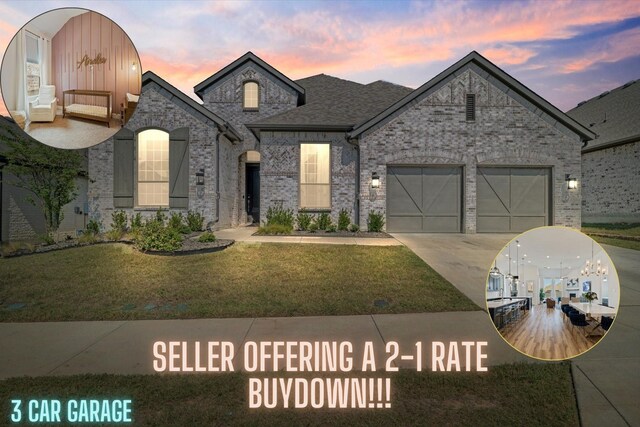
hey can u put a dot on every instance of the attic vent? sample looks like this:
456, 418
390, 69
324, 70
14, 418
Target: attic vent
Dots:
628, 84
603, 94
471, 107
581, 103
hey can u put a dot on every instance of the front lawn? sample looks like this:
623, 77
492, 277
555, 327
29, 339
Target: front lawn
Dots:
523, 395
115, 281
617, 234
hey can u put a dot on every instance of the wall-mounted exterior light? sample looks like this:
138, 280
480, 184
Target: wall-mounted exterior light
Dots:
572, 183
200, 177
375, 180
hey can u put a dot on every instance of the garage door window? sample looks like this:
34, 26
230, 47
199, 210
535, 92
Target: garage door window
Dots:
315, 172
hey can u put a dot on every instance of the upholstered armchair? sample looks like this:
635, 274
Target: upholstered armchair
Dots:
43, 108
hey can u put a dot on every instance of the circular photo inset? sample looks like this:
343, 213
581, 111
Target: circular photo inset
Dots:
71, 78
552, 293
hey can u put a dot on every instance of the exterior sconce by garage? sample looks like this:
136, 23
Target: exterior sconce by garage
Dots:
200, 177
572, 183
375, 180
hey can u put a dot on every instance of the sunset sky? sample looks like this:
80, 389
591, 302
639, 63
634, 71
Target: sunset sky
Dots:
566, 51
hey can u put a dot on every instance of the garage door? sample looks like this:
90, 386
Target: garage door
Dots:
512, 199
424, 199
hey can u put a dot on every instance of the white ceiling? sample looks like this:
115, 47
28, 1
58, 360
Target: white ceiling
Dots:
49, 23
551, 246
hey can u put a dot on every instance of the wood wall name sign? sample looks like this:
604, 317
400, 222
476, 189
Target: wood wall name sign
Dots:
86, 60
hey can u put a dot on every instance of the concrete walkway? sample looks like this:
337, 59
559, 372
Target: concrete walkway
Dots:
607, 377
245, 234
125, 347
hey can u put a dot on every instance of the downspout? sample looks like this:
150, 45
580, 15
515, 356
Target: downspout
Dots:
357, 207
218, 175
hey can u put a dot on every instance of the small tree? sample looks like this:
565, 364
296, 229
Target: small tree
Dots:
48, 173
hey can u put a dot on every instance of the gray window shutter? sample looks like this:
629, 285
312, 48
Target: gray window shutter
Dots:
123, 164
179, 168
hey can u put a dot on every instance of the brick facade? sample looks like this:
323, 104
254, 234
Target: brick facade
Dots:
157, 111
430, 130
434, 131
609, 184
225, 98
280, 169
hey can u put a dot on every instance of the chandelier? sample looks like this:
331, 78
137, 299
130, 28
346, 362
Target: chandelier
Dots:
593, 268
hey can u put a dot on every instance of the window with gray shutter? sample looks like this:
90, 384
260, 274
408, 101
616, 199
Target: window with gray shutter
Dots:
123, 164
179, 168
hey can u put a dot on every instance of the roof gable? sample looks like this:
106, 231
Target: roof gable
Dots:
613, 115
173, 93
495, 76
248, 57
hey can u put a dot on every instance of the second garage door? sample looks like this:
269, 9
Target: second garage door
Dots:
424, 199
512, 199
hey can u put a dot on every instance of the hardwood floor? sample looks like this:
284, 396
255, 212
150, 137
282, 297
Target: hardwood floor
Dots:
545, 333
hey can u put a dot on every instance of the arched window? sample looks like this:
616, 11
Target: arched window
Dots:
251, 95
153, 168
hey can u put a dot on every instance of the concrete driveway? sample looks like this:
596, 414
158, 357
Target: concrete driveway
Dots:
462, 259
606, 378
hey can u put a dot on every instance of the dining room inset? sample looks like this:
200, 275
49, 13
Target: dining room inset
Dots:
552, 293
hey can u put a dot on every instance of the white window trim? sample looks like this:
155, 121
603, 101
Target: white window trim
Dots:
244, 99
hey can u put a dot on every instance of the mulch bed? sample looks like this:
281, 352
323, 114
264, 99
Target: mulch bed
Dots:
190, 245
321, 233
615, 236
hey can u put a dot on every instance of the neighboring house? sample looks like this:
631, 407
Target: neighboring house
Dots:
19, 218
611, 162
471, 150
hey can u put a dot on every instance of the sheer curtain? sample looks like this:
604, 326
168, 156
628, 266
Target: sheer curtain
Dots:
44, 48
14, 85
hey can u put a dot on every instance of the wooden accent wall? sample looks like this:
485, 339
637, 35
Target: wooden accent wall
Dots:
90, 34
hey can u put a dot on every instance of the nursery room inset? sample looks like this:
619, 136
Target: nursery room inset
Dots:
71, 78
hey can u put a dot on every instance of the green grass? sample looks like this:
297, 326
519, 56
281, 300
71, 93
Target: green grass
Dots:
114, 281
524, 394
613, 230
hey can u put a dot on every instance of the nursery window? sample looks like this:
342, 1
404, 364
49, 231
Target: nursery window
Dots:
251, 95
153, 168
315, 173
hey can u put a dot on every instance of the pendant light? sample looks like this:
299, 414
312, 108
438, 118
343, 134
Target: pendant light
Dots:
495, 271
509, 276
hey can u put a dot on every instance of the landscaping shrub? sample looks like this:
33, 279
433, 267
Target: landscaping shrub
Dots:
161, 217
207, 237
277, 215
88, 238
324, 221
354, 228
304, 220
47, 239
93, 227
156, 237
176, 221
275, 229
114, 234
136, 221
195, 221
332, 228
119, 221
375, 222
343, 220
313, 227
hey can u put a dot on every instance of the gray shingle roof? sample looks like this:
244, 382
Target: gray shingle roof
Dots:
613, 115
336, 103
